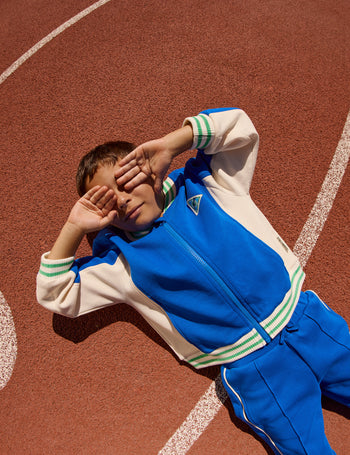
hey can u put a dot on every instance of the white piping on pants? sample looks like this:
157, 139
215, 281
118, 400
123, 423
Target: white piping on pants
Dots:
245, 415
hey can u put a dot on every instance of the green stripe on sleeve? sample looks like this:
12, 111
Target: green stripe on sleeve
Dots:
50, 275
209, 132
52, 269
169, 191
200, 133
56, 265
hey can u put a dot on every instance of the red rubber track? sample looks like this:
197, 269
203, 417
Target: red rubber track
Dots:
106, 383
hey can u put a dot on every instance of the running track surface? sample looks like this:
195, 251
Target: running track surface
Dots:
106, 383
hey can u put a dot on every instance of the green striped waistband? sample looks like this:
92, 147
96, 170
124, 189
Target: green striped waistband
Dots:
252, 341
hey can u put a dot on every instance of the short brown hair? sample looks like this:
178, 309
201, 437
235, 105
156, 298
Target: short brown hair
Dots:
108, 153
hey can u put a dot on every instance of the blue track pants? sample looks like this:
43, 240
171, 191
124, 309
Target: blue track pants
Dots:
278, 389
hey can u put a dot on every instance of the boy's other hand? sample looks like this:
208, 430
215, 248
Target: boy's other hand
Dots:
151, 159
90, 213
94, 211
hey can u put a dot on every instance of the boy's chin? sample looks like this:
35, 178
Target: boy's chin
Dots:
141, 227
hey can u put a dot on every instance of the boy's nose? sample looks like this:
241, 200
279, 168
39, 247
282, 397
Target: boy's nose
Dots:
122, 200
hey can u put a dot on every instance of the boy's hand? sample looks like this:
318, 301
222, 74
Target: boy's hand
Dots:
94, 211
151, 159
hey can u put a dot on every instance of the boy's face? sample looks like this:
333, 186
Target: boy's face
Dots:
136, 209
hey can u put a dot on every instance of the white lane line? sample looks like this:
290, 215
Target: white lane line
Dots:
8, 343
11, 69
197, 420
324, 201
210, 403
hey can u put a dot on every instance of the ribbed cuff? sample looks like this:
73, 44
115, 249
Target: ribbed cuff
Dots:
52, 268
203, 130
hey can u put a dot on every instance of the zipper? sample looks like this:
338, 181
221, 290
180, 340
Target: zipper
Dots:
218, 281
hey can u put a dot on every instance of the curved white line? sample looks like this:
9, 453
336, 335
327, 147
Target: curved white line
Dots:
209, 404
8, 343
8, 340
11, 69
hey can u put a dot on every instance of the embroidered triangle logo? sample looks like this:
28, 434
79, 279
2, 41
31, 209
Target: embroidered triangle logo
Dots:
194, 202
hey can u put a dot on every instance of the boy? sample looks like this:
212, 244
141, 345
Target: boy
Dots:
206, 269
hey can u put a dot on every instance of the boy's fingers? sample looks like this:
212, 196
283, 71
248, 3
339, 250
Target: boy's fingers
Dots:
106, 199
110, 202
127, 176
112, 214
125, 167
96, 190
137, 180
100, 196
91, 192
108, 219
129, 157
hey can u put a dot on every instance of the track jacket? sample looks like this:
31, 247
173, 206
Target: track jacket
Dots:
212, 277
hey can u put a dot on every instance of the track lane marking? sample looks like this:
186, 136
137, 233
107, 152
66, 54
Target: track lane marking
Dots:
212, 400
8, 342
11, 69
8, 339
325, 198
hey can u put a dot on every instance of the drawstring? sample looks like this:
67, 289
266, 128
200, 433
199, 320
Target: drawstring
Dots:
289, 328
